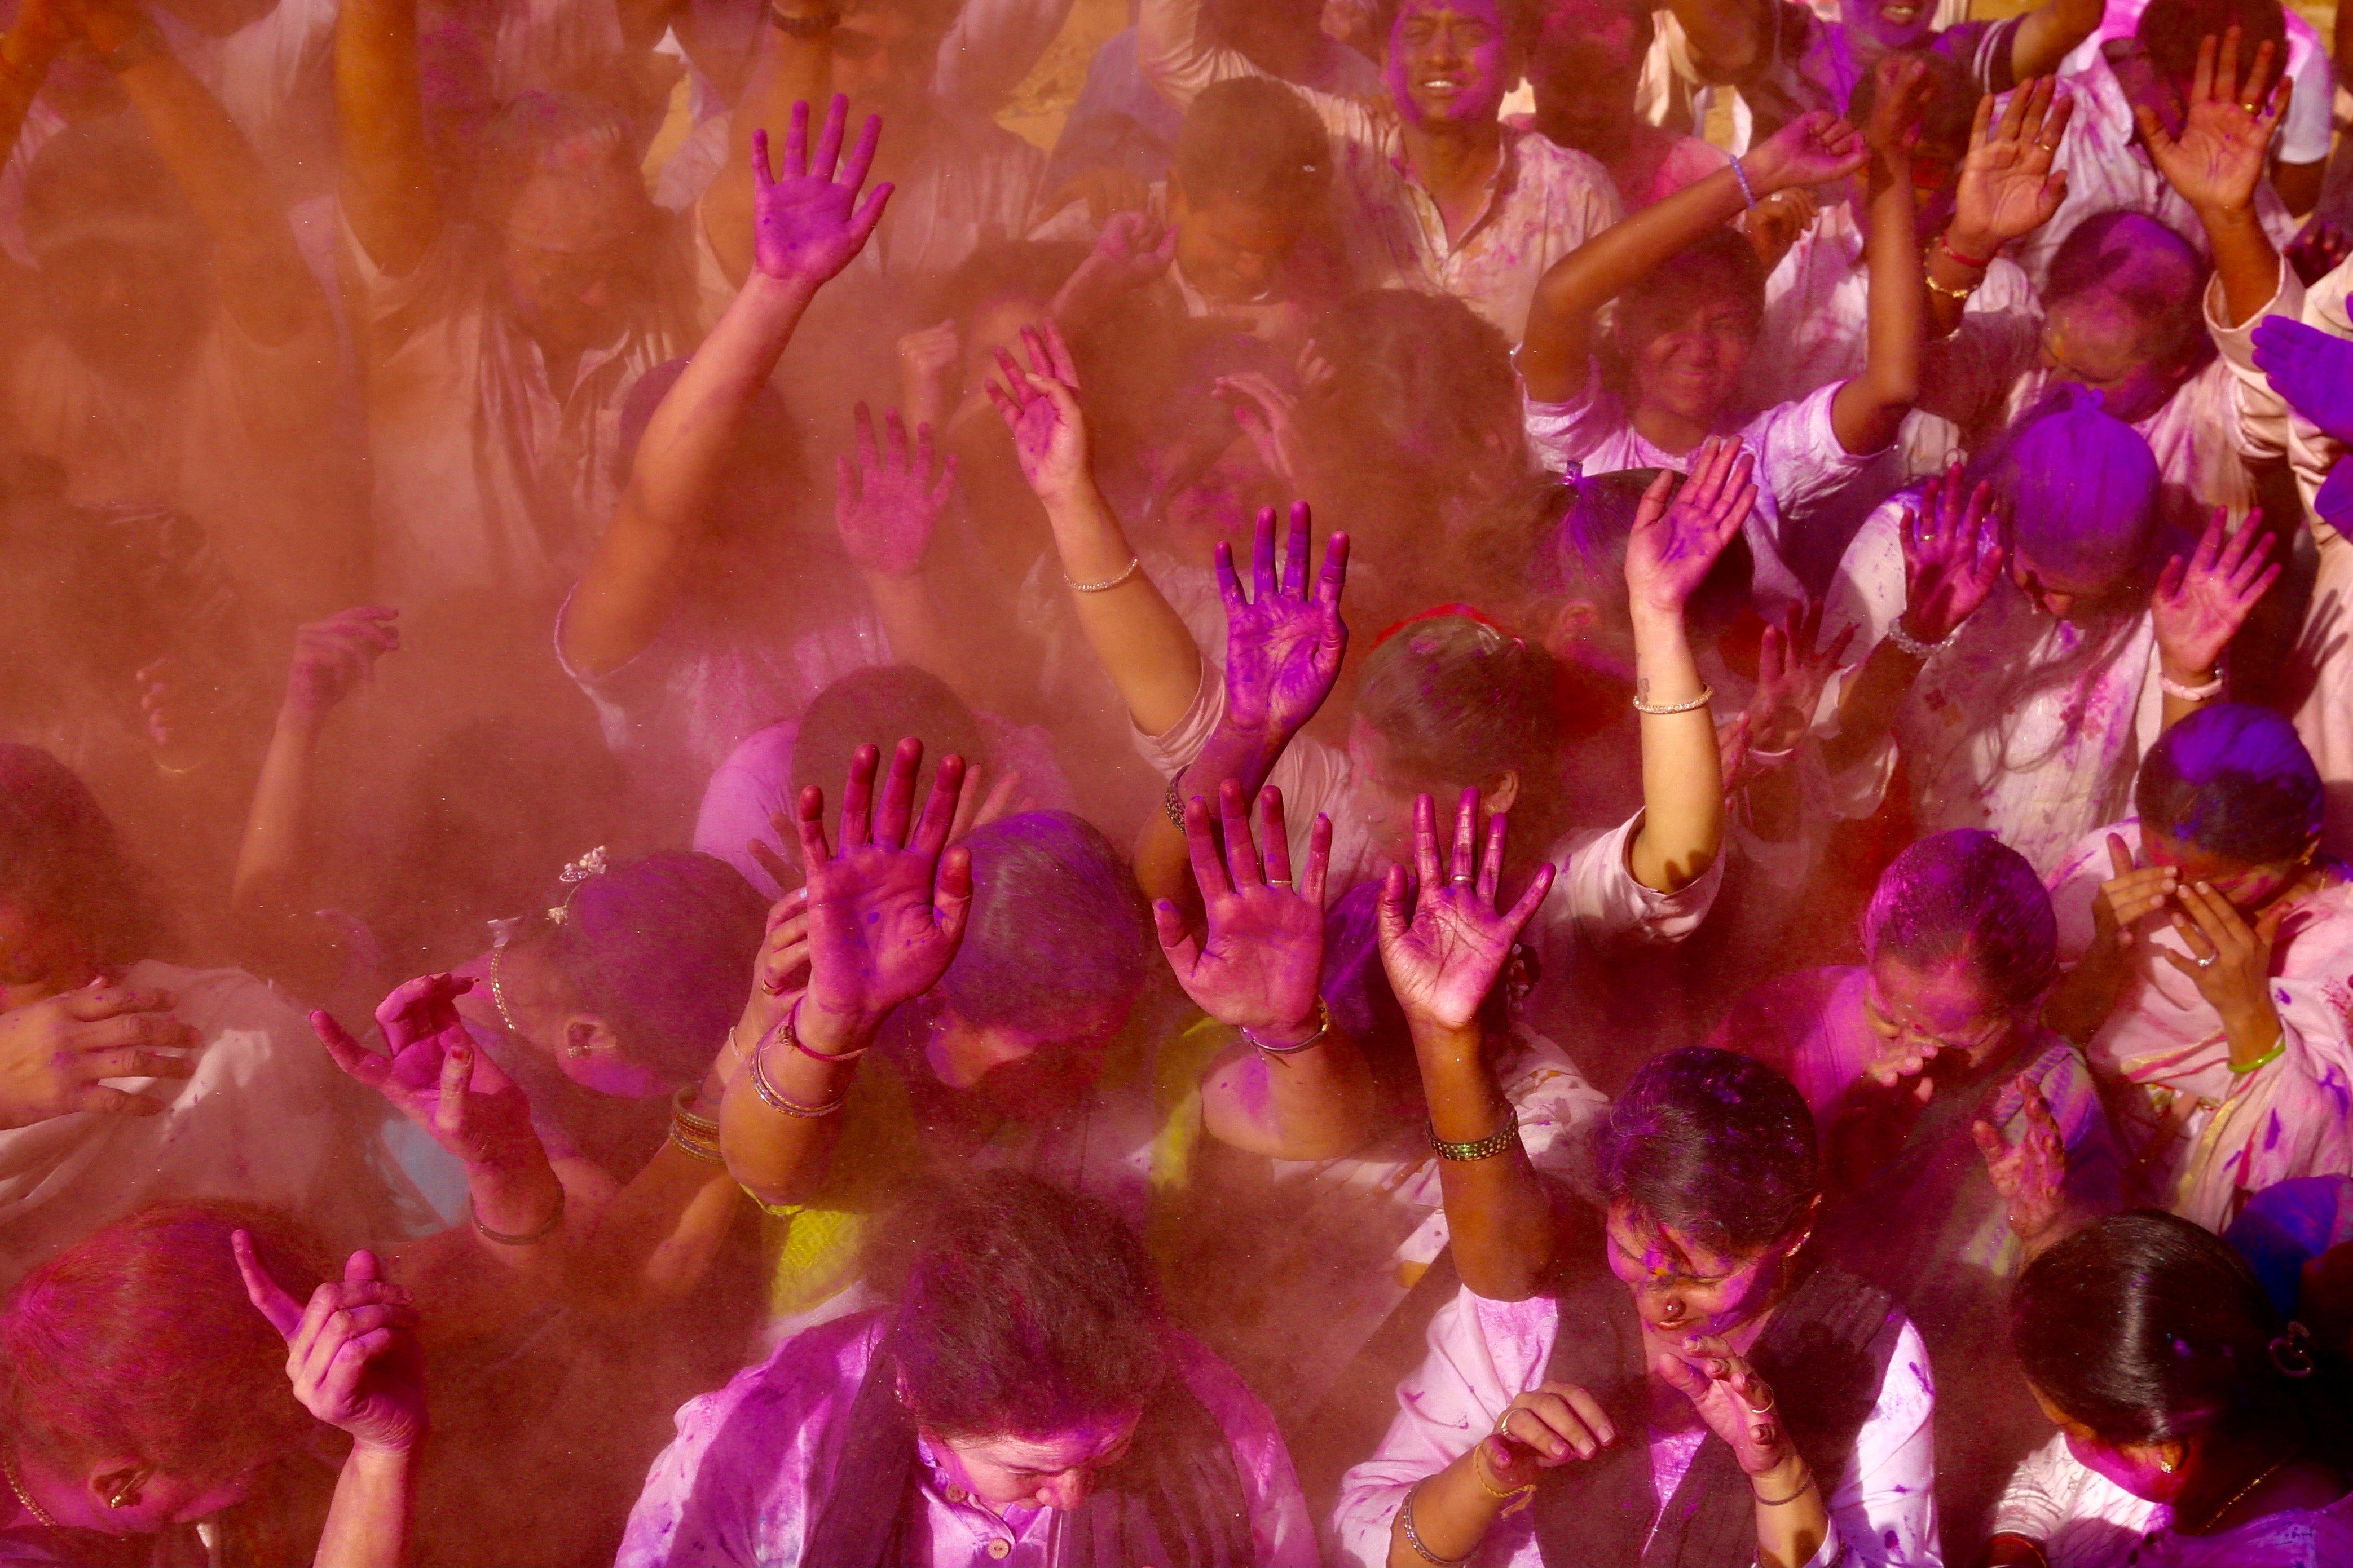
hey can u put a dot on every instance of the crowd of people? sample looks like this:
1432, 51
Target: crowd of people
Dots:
1579, 769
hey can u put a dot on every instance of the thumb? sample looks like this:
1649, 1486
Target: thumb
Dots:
349, 1054
1680, 1376
1990, 1142
1184, 950
360, 1268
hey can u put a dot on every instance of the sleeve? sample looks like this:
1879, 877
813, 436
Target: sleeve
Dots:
1883, 1509
992, 46
2042, 1494
2241, 399
1867, 593
1564, 434
2311, 452
717, 1529
1483, 1356
2291, 1117
1802, 462
1311, 774
1278, 1509
2304, 135
2094, 1185
1597, 892
745, 791
1558, 1112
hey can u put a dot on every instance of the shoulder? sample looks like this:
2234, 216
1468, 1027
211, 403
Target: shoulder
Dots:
788, 1401
1241, 1415
1545, 164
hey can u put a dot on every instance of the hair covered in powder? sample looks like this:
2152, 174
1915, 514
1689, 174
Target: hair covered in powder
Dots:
2234, 781
1964, 897
1715, 1144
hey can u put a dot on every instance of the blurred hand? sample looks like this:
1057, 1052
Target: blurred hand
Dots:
1261, 964
929, 359
335, 656
886, 502
55, 1053
1134, 249
187, 713
1814, 149
2319, 247
2312, 369
1773, 224
1901, 95
2031, 1176
350, 1353
2225, 141
436, 1078
1790, 675
886, 912
1283, 647
2008, 188
1444, 953
2131, 896
1270, 417
1952, 556
807, 225
1039, 404
2199, 605
1675, 543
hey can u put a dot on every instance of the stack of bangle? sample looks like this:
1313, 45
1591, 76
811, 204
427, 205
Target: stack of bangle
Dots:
768, 1092
1323, 1027
693, 1135
1413, 1537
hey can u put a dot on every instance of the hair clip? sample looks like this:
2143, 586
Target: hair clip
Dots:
592, 864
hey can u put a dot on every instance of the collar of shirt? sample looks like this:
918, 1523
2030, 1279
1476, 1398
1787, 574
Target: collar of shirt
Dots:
1432, 221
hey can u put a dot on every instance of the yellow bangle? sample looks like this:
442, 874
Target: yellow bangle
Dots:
1513, 1498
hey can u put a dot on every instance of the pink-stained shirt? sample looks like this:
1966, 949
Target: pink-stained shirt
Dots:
2163, 1045
740, 1485
1801, 466
2321, 671
1483, 1355
2082, 1520
1544, 202
2304, 134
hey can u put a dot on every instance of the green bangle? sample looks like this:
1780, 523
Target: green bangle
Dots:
1485, 1148
2279, 1049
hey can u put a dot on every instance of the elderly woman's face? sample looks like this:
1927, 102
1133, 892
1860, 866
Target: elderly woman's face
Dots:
1056, 1470
1944, 1008
1683, 1286
39, 958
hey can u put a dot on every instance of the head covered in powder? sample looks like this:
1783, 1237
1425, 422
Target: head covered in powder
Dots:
1047, 883
2082, 488
1965, 901
2232, 782
1717, 1145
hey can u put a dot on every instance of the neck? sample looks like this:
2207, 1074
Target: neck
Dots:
2231, 1480
1453, 157
1671, 432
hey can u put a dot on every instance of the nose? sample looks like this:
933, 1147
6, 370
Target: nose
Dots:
1065, 1491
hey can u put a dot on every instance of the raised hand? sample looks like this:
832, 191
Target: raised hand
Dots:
1443, 941
929, 358
1039, 404
2130, 896
1791, 674
887, 501
1737, 1405
1269, 415
2219, 158
1134, 249
1900, 97
350, 1353
335, 656
2008, 188
437, 1078
55, 1053
2032, 1174
886, 913
1675, 543
2200, 605
1260, 967
2230, 961
1814, 149
1953, 554
807, 225
1283, 645
2312, 369
1542, 1430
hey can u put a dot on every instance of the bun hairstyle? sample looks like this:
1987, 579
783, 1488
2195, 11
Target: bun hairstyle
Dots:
1966, 898
1713, 1143
2234, 781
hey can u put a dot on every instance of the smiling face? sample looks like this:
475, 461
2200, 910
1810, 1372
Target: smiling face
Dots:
1056, 1470
1688, 364
1448, 62
1888, 24
1683, 1286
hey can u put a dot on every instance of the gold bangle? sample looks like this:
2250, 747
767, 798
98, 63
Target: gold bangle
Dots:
524, 1239
1323, 1027
1478, 1149
1134, 563
1958, 296
1706, 695
681, 1111
1512, 1498
775, 1101
695, 1147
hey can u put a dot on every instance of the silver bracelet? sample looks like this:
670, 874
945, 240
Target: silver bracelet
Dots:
2205, 693
1706, 695
1323, 1027
1923, 651
1747, 194
1413, 1536
1125, 572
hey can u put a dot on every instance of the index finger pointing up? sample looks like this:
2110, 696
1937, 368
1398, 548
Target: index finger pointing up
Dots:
269, 1298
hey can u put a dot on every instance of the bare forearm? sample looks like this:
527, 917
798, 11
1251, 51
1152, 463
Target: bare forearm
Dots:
1163, 866
1788, 1533
367, 1523
785, 70
1867, 709
386, 179
657, 1238
1503, 1230
2083, 998
2048, 34
1555, 354
1683, 771
1868, 411
271, 862
1316, 1105
775, 1155
1452, 1514
1142, 643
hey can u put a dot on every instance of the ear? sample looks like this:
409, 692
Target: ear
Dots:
1573, 623
1500, 794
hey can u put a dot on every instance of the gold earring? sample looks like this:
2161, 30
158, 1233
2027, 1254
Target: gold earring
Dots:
126, 1498
2166, 1465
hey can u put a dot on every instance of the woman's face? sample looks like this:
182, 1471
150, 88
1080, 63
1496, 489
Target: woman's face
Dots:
1201, 503
163, 1500
1030, 1072
547, 1020
1946, 1008
1689, 365
2248, 887
2137, 1468
1053, 1471
1385, 794
41, 958
1683, 1286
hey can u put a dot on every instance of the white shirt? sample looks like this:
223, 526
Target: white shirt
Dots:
2304, 136
2082, 1520
1483, 1355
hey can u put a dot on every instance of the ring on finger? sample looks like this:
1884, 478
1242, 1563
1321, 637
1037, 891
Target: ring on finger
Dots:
1278, 882
2208, 962
1462, 879
1771, 1399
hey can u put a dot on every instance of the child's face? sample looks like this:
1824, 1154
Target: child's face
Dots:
1230, 251
1690, 365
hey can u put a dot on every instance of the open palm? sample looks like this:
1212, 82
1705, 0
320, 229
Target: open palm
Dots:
437, 1078
1039, 404
887, 502
2219, 158
2007, 187
1675, 543
1444, 953
1953, 554
2200, 605
1283, 643
1261, 961
806, 224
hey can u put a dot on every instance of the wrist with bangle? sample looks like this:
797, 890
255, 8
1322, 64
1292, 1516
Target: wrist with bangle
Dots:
1898, 634
1323, 1028
788, 1031
2205, 691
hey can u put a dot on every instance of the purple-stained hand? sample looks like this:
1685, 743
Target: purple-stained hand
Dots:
335, 656
437, 1078
806, 222
1443, 941
1284, 643
1953, 554
2200, 605
350, 1353
1039, 405
886, 500
1260, 966
1674, 543
2312, 369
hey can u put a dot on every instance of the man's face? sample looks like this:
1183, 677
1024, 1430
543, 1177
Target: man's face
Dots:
1231, 251
884, 61
131, 309
576, 256
1584, 74
2102, 337
1449, 62
1886, 24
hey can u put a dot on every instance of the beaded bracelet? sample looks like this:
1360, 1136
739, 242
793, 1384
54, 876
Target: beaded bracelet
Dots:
1741, 175
1923, 651
1174, 804
2206, 693
1485, 1148
1413, 1538
1706, 695
1134, 562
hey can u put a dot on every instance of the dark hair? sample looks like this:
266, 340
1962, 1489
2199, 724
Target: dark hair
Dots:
1057, 923
1026, 1309
1008, 269
2146, 1328
1460, 703
1713, 1143
2235, 781
140, 1339
2171, 31
538, 131
1583, 554
879, 707
1966, 898
1719, 263
1604, 13
1520, 18
2172, 327
62, 862
1950, 114
660, 948
1253, 140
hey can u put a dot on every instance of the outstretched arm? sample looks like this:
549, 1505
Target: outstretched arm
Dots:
1868, 411
386, 185
806, 226
2008, 189
2218, 161
2049, 33
1556, 355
